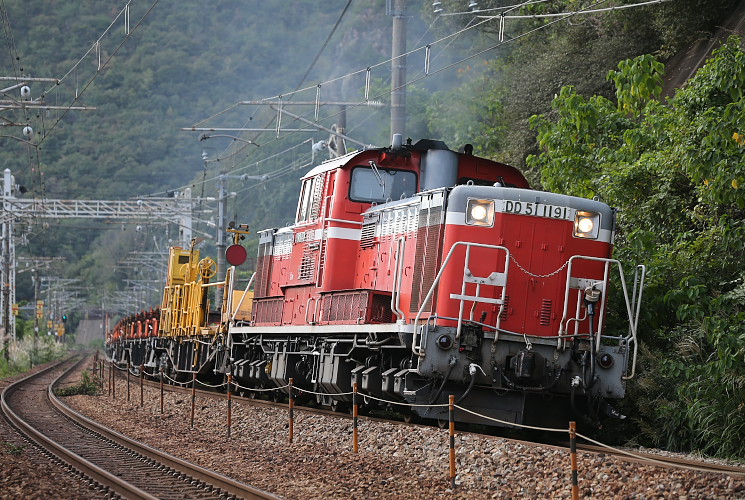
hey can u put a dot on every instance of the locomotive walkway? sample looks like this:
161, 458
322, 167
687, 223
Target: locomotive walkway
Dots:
113, 463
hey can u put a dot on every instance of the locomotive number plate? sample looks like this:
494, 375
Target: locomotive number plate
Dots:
536, 209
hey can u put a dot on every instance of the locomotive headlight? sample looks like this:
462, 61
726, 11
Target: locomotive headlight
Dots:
480, 212
586, 224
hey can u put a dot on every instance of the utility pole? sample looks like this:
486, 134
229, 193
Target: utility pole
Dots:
37, 292
222, 225
398, 67
222, 207
8, 327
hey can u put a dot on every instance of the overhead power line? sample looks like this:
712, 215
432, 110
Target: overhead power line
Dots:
427, 48
484, 19
101, 64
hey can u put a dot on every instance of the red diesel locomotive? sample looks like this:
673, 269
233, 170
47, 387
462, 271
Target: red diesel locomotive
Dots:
418, 272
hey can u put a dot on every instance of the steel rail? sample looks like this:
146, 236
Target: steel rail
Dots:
205, 475
160, 460
94, 472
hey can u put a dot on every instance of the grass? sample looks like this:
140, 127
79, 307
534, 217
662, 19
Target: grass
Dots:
15, 449
88, 386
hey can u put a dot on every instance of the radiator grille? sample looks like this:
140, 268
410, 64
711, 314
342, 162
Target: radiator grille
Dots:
346, 307
361, 306
381, 309
367, 239
308, 264
505, 306
263, 265
315, 209
427, 258
268, 310
545, 314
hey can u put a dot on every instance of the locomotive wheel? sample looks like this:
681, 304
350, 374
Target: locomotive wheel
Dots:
410, 417
339, 406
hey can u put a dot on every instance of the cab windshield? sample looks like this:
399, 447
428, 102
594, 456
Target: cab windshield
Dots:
381, 185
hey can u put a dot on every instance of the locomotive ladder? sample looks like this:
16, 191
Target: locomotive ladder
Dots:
633, 303
496, 278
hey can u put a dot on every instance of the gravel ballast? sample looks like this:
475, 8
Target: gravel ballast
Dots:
27, 473
394, 461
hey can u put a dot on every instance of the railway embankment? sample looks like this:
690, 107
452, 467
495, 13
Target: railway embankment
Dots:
394, 460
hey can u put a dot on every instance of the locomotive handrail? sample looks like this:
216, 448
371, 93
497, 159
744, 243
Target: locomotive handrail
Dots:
398, 269
640, 274
567, 290
498, 279
307, 310
632, 315
418, 350
243, 297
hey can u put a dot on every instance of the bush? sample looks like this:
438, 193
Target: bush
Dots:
22, 353
88, 386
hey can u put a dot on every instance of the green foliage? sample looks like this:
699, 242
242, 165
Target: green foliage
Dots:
88, 385
15, 449
675, 171
26, 352
637, 81
98, 344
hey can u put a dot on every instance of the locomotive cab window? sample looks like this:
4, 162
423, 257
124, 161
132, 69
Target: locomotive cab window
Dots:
304, 203
309, 205
379, 185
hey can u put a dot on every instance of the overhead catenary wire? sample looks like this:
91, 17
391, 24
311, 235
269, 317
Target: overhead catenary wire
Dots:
560, 17
583, 11
234, 171
485, 19
102, 64
318, 86
493, 9
422, 75
307, 72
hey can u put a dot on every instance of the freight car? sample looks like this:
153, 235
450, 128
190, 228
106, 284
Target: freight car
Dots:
416, 272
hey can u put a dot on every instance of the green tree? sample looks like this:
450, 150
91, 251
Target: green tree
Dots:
676, 172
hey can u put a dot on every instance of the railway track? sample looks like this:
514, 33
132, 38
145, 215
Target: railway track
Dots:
628, 455
119, 465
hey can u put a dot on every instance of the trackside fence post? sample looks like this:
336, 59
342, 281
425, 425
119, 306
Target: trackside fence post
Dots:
292, 409
193, 396
573, 455
161, 390
142, 394
355, 415
129, 365
113, 380
230, 402
451, 426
